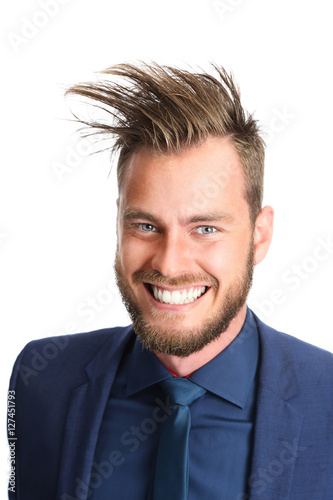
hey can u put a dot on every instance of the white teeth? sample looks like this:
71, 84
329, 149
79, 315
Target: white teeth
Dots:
177, 296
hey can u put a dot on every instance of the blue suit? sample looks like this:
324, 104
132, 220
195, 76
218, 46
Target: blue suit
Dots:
62, 386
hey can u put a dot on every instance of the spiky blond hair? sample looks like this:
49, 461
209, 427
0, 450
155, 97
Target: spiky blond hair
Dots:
167, 109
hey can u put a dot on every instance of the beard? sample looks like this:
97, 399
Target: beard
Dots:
166, 338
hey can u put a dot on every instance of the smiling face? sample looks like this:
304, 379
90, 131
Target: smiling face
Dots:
186, 247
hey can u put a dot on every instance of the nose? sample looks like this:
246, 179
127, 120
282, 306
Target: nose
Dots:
172, 256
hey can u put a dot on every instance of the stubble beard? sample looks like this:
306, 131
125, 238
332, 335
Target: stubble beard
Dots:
166, 338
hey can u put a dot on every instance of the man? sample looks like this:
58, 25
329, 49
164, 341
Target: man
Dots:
198, 399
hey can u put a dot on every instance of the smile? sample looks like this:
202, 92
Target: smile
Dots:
179, 297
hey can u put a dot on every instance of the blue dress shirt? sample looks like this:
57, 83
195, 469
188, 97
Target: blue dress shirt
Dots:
222, 419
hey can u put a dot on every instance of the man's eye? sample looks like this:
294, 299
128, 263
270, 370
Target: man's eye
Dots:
146, 227
205, 230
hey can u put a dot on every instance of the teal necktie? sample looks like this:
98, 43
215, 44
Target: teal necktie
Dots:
172, 463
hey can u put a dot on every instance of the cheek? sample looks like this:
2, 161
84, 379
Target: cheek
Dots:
216, 260
224, 261
132, 254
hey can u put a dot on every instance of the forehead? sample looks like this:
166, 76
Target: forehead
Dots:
204, 177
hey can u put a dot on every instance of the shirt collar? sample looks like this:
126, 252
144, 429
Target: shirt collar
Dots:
229, 375
143, 368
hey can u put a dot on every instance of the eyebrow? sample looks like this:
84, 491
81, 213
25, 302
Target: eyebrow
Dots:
131, 214
211, 217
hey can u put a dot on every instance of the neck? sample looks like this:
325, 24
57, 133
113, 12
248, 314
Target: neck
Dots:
185, 366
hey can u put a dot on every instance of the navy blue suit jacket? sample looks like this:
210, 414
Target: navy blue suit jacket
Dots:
62, 386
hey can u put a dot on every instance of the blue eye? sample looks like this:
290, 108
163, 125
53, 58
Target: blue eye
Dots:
205, 230
146, 227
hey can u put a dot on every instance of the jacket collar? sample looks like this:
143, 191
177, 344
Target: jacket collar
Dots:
278, 423
111, 352
277, 363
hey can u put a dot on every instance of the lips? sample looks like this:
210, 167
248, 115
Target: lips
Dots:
179, 297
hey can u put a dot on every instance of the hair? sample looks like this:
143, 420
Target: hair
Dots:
166, 109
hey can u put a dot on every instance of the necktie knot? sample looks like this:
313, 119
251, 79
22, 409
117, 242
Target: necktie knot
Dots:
181, 390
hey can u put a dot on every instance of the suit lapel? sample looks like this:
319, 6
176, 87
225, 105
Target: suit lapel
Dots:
278, 423
84, 418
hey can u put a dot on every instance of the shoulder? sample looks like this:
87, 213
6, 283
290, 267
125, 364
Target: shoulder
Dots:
65, 353
300, 348
87, 341
310, 363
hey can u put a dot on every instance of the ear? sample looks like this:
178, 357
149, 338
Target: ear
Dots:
263, 232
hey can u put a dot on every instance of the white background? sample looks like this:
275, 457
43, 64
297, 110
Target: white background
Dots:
57, 232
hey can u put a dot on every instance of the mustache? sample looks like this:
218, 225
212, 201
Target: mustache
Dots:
183, 280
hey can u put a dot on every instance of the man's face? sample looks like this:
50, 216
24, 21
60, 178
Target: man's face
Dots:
185, 254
